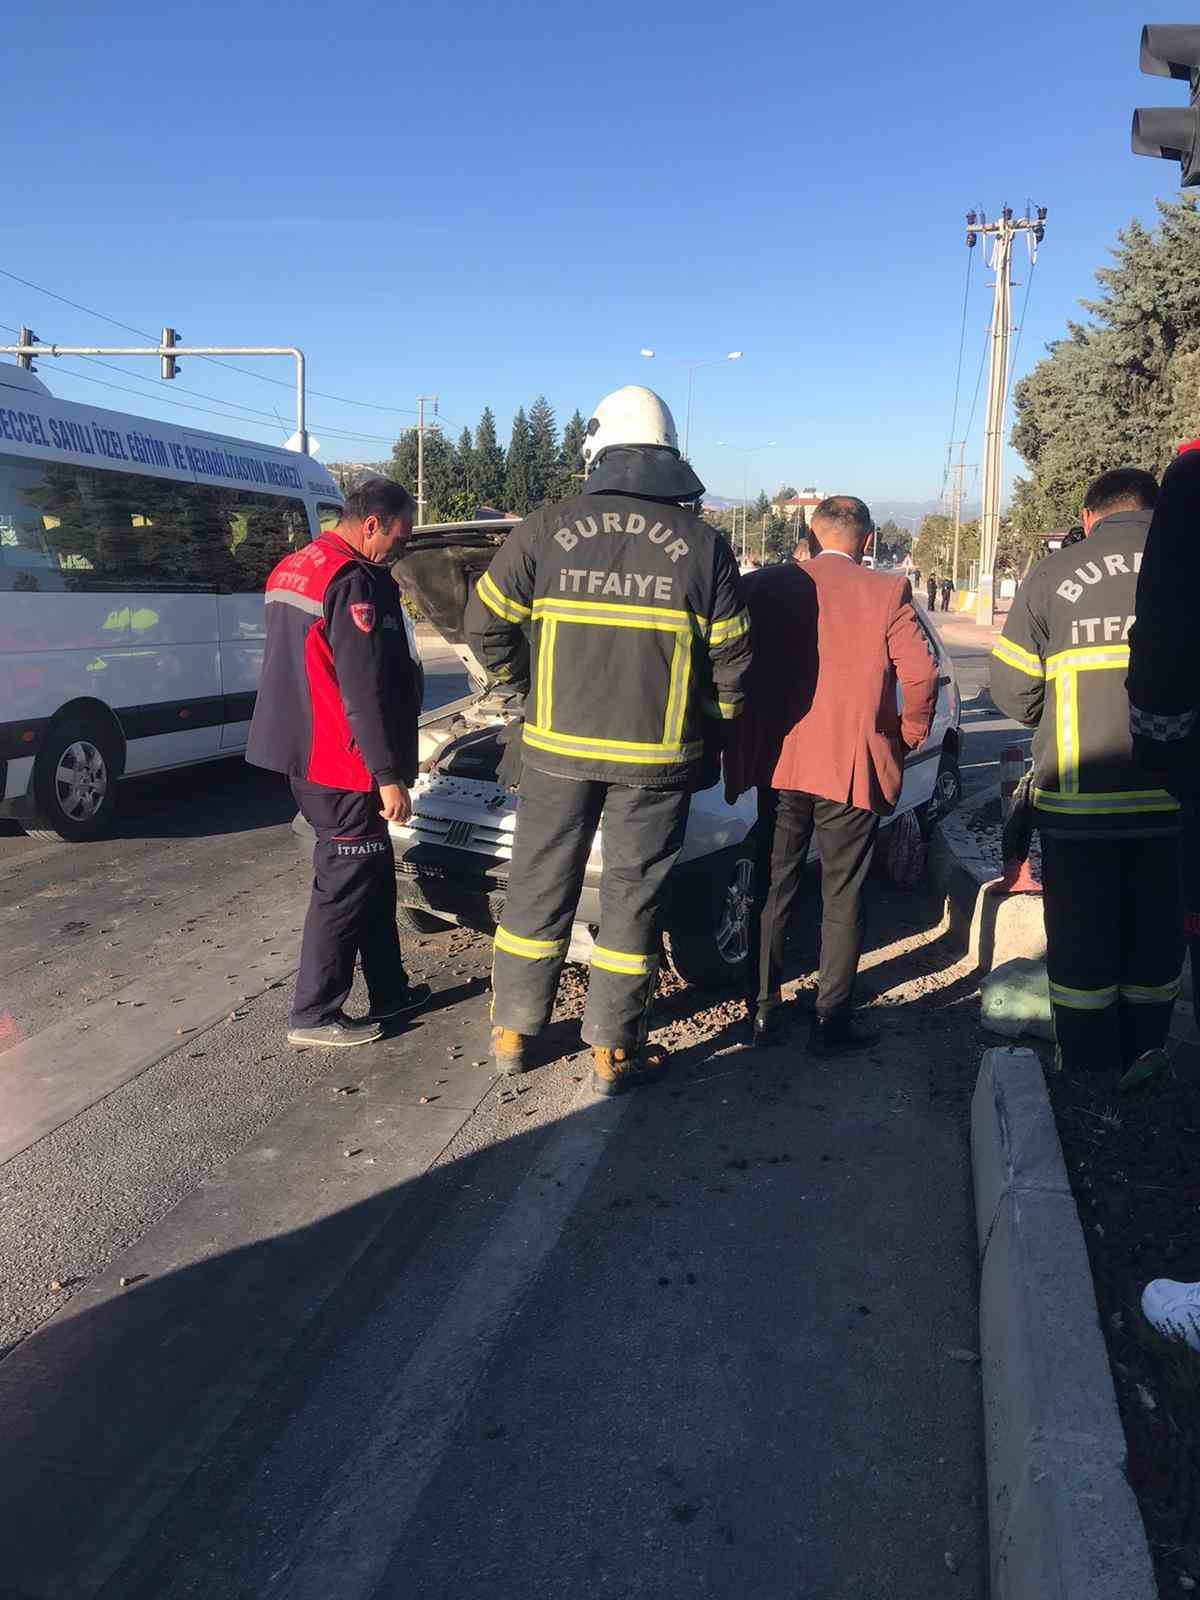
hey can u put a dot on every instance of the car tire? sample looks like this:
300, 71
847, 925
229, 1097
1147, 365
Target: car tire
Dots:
947, 794
707, 934
411, 920
75, 781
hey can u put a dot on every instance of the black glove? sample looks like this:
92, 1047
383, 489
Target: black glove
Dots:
1017, 834
508, 773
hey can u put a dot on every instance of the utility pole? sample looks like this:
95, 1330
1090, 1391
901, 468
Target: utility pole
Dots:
1002, 233
956, 499
422, 399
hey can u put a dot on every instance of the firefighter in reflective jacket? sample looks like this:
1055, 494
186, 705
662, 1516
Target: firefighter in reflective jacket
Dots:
619, 615
1110, 831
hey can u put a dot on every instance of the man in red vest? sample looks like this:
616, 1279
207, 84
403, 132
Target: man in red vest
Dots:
337, 713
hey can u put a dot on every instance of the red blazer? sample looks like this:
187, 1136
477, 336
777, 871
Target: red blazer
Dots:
831, 641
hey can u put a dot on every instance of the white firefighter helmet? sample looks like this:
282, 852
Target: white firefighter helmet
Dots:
629, 416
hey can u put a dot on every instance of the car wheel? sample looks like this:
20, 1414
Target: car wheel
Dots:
947, 794
707, 936
410, 920
75, 781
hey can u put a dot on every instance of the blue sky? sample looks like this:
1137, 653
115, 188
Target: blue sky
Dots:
488, 201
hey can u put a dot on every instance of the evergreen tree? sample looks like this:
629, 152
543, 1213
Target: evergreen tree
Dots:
543, 451
488, 462
517, 473
1123, 389
464, 465
441, 475
570, 458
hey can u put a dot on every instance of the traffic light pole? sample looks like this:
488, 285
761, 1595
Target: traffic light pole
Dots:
27, 351
1003, 231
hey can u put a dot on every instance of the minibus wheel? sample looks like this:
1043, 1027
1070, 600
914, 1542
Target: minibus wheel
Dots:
75, 781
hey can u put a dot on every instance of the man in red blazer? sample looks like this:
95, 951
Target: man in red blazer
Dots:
824, 740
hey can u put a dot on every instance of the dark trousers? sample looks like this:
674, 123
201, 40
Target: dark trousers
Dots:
1191, 893
1114, 946
787, 820
352, 911
556, 823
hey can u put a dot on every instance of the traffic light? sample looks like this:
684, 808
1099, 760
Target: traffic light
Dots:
169, 367
26, 336
1171, 50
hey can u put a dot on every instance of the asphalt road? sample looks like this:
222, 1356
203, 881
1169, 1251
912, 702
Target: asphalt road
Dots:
290, 1324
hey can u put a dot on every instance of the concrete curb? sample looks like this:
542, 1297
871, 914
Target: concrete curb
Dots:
990, 928
1063, 1520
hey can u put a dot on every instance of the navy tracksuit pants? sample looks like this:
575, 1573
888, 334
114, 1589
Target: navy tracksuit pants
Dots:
352, 912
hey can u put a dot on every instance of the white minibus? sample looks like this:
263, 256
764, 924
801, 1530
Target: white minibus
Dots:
133, 555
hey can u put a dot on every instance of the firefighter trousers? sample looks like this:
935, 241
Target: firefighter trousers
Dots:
1191, 893
352, 911
556, 823
1114, 946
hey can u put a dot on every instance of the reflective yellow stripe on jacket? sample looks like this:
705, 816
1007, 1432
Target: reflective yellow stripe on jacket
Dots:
550, 612
1064, 669
507, 609
1015, 655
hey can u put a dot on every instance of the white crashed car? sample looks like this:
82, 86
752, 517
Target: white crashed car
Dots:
452, 857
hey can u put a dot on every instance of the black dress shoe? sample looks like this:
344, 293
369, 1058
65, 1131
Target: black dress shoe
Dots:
769, 1027
401, 1003
837, 1036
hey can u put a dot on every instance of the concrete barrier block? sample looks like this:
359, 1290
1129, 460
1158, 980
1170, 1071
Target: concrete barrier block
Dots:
1045, 1368
1074, 1534
1014, 1141
1063, 1521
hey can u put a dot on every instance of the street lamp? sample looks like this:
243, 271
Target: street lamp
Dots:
745, 451
693, 367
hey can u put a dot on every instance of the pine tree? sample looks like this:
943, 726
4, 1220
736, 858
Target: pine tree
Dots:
441, 475
570, 459
464, 465
517, 496
1121, 390
488, 463
543, 451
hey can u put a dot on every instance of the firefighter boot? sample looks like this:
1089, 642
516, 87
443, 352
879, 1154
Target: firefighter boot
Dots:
508, 1052
615, 1070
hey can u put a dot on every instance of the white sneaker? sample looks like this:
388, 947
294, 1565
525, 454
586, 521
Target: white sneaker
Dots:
1173, 1309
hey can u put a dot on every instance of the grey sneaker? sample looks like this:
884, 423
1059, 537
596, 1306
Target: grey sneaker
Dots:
339, 1035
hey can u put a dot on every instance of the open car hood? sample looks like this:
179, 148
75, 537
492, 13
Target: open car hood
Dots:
438, 571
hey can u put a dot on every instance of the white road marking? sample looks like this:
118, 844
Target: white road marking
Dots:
365, 1510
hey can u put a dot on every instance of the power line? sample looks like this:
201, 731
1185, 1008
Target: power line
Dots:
962, 340
1012, 367
263, 377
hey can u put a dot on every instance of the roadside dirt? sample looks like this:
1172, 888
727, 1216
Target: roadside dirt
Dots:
1132, 1164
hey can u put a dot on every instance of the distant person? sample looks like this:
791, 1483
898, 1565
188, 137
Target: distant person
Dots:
824, 741
931, 589
947, 591
1110, 830
337, 713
